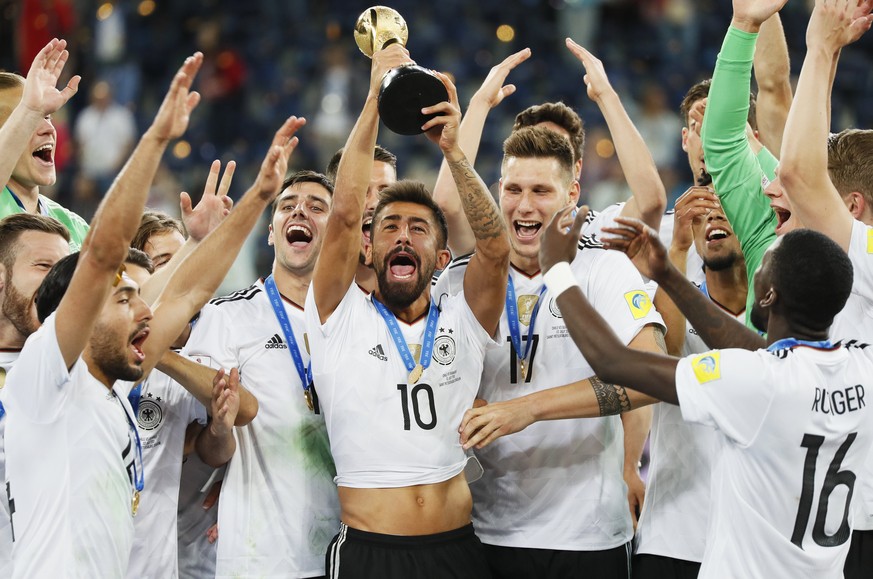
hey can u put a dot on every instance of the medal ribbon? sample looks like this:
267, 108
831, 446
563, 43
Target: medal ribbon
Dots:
138, 473
514, 324
305, 372
792, 342
433, 316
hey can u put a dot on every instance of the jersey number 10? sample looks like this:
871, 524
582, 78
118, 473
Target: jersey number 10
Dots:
833, 478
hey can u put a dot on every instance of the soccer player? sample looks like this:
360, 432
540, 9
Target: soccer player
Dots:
27, 138
279, 506
72, 511
29, 246
409, 366
383, 175
792, 421
553, 498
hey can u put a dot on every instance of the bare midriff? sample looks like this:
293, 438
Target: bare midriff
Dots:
414, 510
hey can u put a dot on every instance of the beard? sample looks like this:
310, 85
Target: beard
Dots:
721, 262
402, 295
18, 309
113, 360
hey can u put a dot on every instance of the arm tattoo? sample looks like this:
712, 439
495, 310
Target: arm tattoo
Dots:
481, 210
611, 398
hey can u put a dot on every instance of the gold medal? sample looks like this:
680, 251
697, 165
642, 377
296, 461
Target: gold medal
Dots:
2, 378
134, 504
307, 395
415, 375
523, 370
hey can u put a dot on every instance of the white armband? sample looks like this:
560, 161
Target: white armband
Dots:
560, 278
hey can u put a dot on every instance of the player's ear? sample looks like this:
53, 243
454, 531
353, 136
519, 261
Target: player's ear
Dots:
270, 235
769, 298
444, 256
685, 139
856, 204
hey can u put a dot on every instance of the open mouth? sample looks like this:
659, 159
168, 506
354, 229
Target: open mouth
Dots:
298, 235
44, 153
526, 229
365, 227
782, 216
136, 344
402, 266
716, 234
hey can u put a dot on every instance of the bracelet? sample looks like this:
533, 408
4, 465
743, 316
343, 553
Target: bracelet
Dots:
560, 278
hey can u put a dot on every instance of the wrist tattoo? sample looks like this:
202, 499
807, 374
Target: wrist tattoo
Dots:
611, 398
482, 212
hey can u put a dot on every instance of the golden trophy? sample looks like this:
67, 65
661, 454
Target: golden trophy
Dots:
406, 89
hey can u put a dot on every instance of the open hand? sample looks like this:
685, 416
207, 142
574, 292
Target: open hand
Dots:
838, 23
595, 78
40, 93
443, 128
753, 13
695, 203
275, 165
214, 205
493, 91
484, 424
171, 122
641, 244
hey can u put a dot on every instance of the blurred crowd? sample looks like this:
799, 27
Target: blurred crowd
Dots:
266, 59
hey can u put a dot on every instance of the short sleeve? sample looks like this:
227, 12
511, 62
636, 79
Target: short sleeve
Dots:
208, 344
342, 317
597, 220
38, 384
618, 293
725, 389
451, 280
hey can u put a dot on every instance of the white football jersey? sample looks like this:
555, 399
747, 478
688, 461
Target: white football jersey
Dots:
165, 410
597, 220
794, 428
7, 359
855, 322
557, 484
279, 507
70, 451
366, 396
675, 514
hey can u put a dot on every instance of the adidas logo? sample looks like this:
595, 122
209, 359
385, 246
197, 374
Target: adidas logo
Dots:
378, 352
276, 342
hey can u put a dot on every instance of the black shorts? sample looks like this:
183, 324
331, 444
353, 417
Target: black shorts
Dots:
355, 554
521, 563
859, 562
648, 566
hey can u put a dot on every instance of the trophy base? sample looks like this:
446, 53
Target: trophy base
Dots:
405, 91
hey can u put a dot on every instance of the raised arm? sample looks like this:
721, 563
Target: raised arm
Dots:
338, 260
117, 219
649, 197
201, 380
445, 193
804, 167
39, 99
772, 75
202, 271
488, 269
715, 327
650, 373
199, 221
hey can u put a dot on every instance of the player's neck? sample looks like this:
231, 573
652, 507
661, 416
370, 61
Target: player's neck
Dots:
292, 285
728, 287
366, 278
413, 311
10, 338
29, 196
780, 327
527, 265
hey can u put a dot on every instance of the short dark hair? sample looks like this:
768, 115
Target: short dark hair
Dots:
9, 81
561, 115
152, 223
380, 153
813, 275
304, 176
53, 287
412, 192
13, 226
701, 91
540, 143
850, 162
